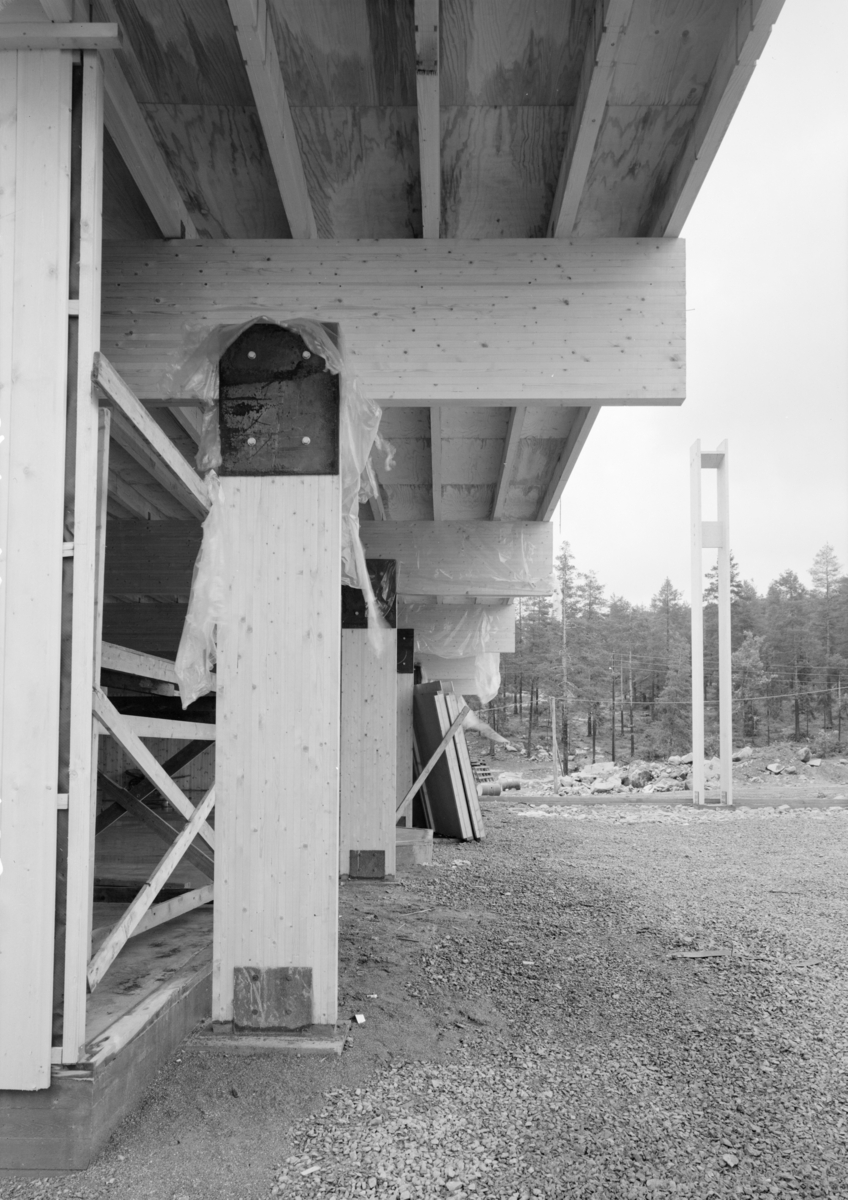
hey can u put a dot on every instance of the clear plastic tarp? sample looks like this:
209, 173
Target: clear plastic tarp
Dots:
196, 376
483, 669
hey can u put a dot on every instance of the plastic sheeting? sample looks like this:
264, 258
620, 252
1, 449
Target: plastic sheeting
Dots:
463, 630
484, 669
197, 376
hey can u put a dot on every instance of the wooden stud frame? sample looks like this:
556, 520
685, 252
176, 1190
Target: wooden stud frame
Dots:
715, 535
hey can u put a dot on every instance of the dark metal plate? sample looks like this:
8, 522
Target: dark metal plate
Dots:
367, 864
406, 651
278, 407
272, 997
383, 575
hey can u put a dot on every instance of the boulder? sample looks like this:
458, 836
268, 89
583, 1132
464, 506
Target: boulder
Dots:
741, 755
774, 767
805, 754
790, 770
641, 776
606, 785
815, 762
674, 760
687, 758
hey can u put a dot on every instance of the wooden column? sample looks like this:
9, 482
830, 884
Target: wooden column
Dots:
35, 143
277, 749
711, 535
368, 793
405, 688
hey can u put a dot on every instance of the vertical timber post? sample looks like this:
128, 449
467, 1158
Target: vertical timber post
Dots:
405, 690
368, 755
725, 682
275, 942
711, 535
35, 154
697, 587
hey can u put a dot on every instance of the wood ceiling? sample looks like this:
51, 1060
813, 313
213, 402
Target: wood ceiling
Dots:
248, 119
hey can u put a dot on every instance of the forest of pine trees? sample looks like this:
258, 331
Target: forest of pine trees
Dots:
620, 670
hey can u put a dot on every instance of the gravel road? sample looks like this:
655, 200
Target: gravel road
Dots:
543, 1020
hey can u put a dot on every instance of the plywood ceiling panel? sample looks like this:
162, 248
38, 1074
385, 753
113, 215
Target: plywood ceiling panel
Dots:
499, 169
636, 150
499, 52
668, 52
125, 211
362, 170
346, 53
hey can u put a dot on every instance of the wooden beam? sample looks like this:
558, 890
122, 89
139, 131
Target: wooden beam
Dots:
502, 322
17, 35
584, 419
140, 436
160, 727
117, 939
429, 116
749, 27
129, 130
259, 52
35, 163
510, 452
90, 488
163, 830
121, 731
608, 22
460, 558
436, 460
134, 662
166, 910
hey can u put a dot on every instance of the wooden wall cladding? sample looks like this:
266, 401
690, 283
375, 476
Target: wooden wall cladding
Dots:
491, 323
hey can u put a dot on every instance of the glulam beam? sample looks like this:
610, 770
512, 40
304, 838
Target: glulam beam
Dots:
500, 322
465, 558
749, 27
429, 124
609, 20
510, 453
584, 419
259, 52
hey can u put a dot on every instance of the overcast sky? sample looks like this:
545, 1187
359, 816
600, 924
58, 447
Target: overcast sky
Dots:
767, 334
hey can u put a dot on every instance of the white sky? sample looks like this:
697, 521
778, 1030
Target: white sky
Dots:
767, 334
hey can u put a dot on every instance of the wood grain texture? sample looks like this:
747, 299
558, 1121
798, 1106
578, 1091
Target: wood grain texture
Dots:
489, 323
362, 170
452, 558
35, 149
668, 52
185, 53
368, 754
636, 150
405, 742
499, 169
348, 53
90, 485
220, 163
497, 52
269, 93
429, 119
584, 420
277, 753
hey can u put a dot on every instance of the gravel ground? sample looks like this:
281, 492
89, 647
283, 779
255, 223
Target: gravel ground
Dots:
537, 1024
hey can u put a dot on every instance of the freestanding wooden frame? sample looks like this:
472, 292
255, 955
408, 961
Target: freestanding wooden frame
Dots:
711, 535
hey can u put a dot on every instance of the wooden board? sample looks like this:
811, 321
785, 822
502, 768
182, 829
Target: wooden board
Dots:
368, 762
35, 151
445, 790
465, 770
425, 322
276, 876
405, 686
457, 558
